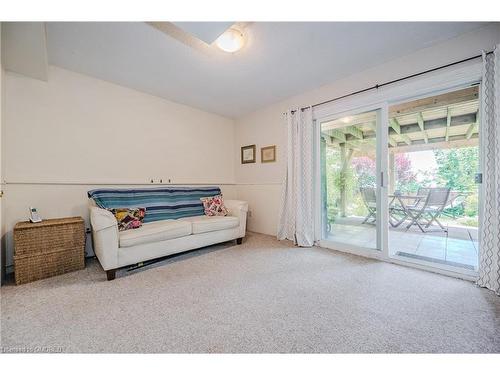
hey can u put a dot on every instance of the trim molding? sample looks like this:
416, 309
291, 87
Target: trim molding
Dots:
108, 183
256, 183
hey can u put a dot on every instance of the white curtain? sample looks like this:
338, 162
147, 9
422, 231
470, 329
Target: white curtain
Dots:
296, 216
489, 258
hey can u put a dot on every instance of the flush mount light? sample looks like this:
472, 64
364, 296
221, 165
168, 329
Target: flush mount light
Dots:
231, 41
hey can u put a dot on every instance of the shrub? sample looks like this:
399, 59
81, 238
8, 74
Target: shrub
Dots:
471, 205
469, 222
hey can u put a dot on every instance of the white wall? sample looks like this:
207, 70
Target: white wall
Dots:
88, 130
73, 133
2, 97
260, 184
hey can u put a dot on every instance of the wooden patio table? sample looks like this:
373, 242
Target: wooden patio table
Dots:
402, 208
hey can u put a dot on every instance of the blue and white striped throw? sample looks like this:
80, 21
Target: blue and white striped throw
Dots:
160, 203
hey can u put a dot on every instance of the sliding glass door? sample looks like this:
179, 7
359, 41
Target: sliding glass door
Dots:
349, 182
433, 197
400, 181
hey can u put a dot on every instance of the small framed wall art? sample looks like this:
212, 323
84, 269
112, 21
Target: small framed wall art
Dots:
248, 154
268, 154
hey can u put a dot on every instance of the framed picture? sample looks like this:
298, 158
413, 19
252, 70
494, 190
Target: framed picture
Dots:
248, 154
268, 154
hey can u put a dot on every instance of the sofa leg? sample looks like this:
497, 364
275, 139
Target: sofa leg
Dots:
110, 274
239, 241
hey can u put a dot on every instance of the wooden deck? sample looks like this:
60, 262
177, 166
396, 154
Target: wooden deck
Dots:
458, 247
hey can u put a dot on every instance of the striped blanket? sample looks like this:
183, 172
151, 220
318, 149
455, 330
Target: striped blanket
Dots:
160, 203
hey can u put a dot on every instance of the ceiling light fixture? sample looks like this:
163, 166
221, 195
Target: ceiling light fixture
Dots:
231, 41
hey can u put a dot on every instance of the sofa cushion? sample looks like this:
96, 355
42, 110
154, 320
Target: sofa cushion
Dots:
203, 224
214, 206
154, 232
128, 218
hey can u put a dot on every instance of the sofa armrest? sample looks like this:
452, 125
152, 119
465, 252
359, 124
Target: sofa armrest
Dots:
101, 219
235, 206
238, 209
105, 237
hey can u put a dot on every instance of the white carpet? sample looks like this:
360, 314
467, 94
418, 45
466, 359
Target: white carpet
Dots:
262, 296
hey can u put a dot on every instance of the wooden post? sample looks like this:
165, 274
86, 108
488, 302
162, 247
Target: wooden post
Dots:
324, 196
343, 175
392, 180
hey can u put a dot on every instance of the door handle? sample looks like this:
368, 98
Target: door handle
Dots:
478, 178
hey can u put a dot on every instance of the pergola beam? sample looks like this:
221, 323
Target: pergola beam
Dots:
472, 128
396, 140
437, 124
420, 120
469, 94
328, 139
395, 125
448, 123
470, 131
337, 134
335, 125
405, 139
354, 131
409, 129
390, 139
397, 128
438, 143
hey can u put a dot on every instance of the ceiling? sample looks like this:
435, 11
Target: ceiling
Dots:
208, 32
24, 48
279, 60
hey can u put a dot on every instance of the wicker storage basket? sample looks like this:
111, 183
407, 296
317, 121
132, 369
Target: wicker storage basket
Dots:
49, 248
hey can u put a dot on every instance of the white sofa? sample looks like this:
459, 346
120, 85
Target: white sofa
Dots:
156, 239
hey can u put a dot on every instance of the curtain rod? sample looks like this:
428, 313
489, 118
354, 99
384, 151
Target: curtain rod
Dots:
379, 85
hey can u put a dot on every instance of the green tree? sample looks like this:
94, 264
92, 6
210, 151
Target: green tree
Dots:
406, 177
457, 167
456, 170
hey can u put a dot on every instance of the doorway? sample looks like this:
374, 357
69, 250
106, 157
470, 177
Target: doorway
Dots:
400, 181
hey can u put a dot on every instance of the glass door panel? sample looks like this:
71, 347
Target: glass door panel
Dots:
348, 152
432, 194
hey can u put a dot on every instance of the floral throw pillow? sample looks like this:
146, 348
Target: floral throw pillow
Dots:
129, 218
214, 206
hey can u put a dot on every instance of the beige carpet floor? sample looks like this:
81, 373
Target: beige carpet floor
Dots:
262, 296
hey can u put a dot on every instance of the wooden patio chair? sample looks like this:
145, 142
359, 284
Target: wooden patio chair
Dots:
421, 192
427, 211
369, 196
